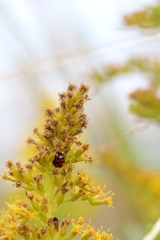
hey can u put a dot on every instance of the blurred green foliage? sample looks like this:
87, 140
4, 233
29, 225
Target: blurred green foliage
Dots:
141, 186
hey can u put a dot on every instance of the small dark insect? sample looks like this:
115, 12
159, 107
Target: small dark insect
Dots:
58, 161
54, 221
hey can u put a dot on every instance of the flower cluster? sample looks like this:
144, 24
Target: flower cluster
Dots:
146, 104
146, 18
141, 64
137, 180
49, 178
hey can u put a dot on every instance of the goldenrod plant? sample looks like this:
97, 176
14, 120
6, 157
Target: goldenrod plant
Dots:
143, 65
148, 17
145, 104
49, 179
137, 181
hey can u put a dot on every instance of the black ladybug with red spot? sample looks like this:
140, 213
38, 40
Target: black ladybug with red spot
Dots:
58, 161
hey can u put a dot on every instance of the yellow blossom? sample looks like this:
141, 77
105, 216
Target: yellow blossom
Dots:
108, 201
80, 221
9, 234
77, 229
84, 178
98, 191
106, 236
90, 231
4, 175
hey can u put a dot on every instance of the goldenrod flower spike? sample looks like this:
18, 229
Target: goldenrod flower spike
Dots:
48, 178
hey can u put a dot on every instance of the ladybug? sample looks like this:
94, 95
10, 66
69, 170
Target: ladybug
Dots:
58, 161
55, 222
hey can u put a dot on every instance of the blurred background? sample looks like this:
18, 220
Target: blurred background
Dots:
44, 46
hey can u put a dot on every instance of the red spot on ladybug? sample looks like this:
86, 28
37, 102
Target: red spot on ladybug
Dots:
58, 161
